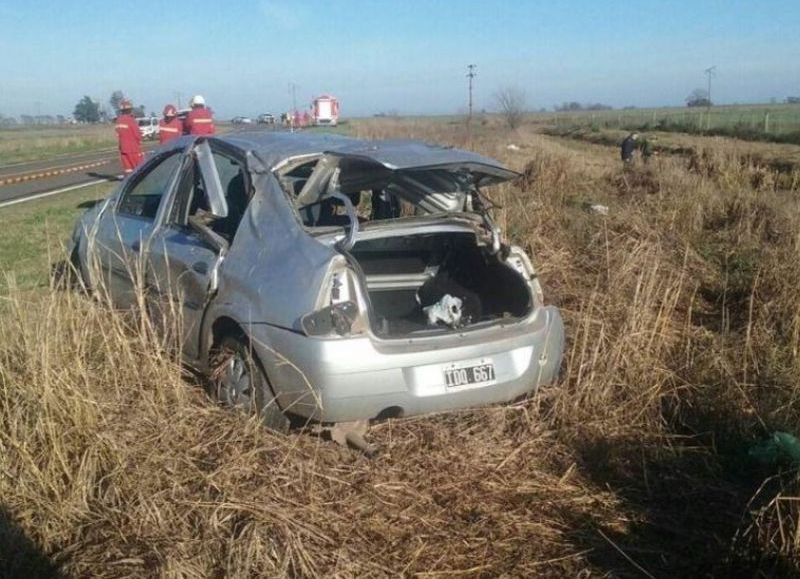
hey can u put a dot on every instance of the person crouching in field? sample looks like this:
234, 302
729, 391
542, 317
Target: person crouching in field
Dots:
628, 148
130, 139
170, 127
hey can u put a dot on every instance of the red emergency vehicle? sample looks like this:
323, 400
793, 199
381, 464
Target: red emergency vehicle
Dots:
325, 110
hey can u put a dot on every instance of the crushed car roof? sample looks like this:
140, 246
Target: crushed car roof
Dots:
272, 147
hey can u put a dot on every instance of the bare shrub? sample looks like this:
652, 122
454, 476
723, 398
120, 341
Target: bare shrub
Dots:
511, 102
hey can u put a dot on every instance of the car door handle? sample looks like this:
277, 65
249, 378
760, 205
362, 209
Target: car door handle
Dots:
136, 246
200, 267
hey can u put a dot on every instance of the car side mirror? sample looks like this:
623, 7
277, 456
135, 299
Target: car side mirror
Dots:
218, 205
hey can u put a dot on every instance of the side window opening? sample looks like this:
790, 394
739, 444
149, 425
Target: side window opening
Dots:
144, 197
193, 200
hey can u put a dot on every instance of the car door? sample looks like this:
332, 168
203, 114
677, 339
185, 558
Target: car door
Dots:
124, 230
188, 251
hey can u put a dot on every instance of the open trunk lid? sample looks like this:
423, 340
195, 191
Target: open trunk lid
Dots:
429, 176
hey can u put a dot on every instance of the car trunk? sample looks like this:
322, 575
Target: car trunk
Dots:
405, 274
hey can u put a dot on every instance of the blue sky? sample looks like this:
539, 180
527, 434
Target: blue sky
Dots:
408, 56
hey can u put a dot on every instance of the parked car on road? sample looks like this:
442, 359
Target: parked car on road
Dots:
266, 119
242, 121
328, 278
148, 126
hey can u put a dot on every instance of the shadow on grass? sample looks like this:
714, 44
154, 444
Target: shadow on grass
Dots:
108, 176
89, 204
20, 557
684, 501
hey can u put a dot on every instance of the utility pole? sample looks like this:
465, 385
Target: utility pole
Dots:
293, 90
178, 96
470, 75
710, 72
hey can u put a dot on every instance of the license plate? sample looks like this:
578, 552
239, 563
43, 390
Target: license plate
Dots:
469, 375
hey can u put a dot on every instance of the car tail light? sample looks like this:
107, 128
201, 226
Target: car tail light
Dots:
339, 306
520, 261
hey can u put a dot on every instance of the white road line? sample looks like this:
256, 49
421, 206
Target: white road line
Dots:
53, 192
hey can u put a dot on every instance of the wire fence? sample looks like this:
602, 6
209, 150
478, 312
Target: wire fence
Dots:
766, 123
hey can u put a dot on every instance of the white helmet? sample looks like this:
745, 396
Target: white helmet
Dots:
197, 100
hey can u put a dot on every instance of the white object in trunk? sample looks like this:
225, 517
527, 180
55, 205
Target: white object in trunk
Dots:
446, 310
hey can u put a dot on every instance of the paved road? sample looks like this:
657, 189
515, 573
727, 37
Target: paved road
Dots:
67, 172
22, 180
19, 181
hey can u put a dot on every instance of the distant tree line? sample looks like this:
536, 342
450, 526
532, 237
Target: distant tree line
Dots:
574, 106
87, 110
90, 111
33, 120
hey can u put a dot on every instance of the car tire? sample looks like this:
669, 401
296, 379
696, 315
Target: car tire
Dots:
239, 381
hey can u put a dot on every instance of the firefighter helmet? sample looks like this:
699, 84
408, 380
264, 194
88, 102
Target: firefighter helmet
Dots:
197, 101
125, 105
170, 111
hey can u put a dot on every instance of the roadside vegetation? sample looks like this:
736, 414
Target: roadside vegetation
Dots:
771, 123
683, 315
18, 145
34, 233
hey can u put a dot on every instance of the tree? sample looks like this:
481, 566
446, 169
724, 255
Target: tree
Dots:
511, 101
87, 111
115, 100
698, 98
138, 112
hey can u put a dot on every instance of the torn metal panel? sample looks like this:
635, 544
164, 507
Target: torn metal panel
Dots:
213, 187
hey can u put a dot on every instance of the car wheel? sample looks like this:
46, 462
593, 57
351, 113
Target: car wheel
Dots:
240, 382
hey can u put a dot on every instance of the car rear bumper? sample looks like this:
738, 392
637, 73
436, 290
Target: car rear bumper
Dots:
338, 380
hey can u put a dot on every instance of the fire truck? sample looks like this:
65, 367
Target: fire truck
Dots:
325, 110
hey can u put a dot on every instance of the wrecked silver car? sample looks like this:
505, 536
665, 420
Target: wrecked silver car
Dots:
342, 279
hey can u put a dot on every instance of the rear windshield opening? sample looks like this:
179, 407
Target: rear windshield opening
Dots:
375, 192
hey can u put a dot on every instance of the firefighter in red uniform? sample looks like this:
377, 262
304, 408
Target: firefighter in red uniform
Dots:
130, 139
199, 120
170, 127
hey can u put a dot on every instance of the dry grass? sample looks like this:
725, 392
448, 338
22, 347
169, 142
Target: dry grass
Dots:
683, 317
33, 143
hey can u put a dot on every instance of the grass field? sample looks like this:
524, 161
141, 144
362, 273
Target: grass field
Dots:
34, 233
22, 144
778, 123
683, 315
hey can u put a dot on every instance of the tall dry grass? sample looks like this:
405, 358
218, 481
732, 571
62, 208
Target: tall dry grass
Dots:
23, 144
682, 311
